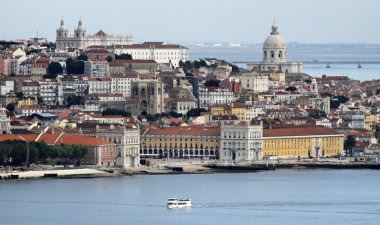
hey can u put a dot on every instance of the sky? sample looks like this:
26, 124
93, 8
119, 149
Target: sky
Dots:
195, 21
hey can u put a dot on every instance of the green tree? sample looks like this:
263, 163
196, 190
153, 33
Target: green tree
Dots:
123, 57
109, 58
195, 112
11, 107
74, 100
83, 57
212, 83
291, 88
54, 68
235, 69
19, 95
151, 118
350, 143
111, 111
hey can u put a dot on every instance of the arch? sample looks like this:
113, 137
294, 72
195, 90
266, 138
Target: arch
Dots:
145, 151
141, 151
144, 105
265, 55
180, 153
201, 152
186, 152
151, 91
143, 92
155, 151
150, 151
160, 152
135, 91
280, 54
206, 152
211, 152
272, 54
196, 152
191, 152
159, 91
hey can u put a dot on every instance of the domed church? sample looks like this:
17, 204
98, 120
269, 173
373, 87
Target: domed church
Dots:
81, 40
274, 56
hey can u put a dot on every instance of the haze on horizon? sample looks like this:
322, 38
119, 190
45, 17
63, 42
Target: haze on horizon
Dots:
187, 21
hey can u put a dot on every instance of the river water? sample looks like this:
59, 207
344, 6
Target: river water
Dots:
343, 59
273, 197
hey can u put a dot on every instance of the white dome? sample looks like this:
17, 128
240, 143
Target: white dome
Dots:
80, 27
62, 27
274, 40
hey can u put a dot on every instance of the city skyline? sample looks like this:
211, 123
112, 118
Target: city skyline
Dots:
213, 21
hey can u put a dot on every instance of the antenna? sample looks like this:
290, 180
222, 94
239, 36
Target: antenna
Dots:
274, 20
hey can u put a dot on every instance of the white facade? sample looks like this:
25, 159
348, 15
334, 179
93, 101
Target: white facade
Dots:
157, 51
81, 40
51, 92
99, 85
255, 82
211, 96
96, 68
122, 83
274, 56
241, 141
7, 86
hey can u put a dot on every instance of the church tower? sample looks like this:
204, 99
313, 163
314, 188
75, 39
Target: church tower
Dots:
62, 35
80, 35
314, 87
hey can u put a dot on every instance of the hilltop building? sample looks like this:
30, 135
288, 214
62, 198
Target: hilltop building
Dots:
274, 56
82, 40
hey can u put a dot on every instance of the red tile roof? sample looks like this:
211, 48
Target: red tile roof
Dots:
299, 131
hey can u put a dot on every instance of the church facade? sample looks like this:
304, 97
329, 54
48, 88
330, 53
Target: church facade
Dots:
81, 40
274, 56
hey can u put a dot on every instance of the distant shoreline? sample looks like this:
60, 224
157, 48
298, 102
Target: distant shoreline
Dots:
176, 170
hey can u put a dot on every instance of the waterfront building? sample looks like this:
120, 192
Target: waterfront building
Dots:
99, 153
274, 56
241, 141
302, 141
195, 141
81, 40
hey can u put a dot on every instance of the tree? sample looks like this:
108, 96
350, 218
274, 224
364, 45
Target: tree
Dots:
308, 81
74, 100
11, 107
235, 69
109, 58
82, 57
55, 68
291, 88
195, 112
350, 143
111, 111
212, 83
123, 56
151, 118
74, 66
40, 100
19, 95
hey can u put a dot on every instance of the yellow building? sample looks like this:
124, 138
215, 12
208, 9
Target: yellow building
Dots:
369, 122
237, 109
195, 141
304, 142
26, 101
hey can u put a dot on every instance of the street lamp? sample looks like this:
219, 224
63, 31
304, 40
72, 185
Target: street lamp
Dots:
27, 150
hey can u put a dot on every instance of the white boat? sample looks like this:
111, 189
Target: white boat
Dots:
174, 203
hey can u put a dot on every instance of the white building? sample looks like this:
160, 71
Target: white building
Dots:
122, 83
7, 86
157, 51
274, 56
210, 96
240, 141
81, 40
96, 68
255, 82
51, 92
99, 85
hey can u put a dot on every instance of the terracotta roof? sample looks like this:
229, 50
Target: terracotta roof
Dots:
299, 131
57, 138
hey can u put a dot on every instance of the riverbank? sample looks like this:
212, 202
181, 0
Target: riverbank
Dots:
205, 168
54, 173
